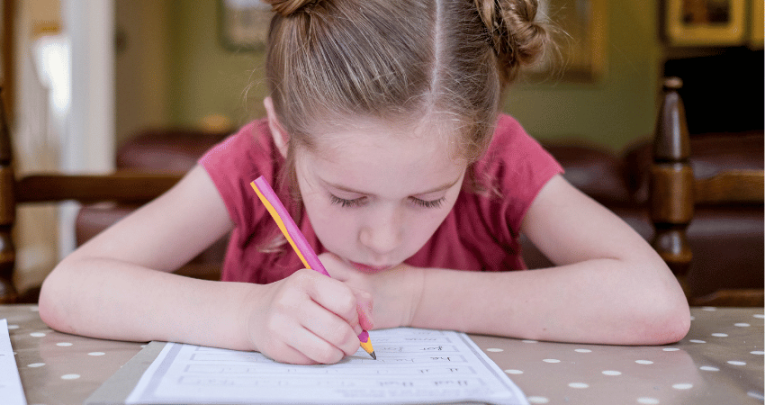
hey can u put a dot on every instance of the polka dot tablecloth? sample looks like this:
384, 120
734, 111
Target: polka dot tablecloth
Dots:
719, 362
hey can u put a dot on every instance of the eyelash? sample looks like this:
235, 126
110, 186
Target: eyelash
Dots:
360, 201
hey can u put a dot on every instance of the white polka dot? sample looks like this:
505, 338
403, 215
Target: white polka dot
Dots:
35, 365
643, 362
742, 325
63, 344
760, 316
647, 401
578, 385
736, 363
611, 372
37, 334
583, 350
682, 386
709, 308
693, 318
494, 349
96, 354
12, 327
529, 341
697, 341
514, 371
670, 349
720, 334
70, 376
143, 346
538, 400
758, 352
709, 368
34, 309
551, 361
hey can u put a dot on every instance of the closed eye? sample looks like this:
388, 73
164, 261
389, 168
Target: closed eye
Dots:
428, 204
356, 202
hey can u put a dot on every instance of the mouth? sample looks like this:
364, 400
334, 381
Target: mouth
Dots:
365, 268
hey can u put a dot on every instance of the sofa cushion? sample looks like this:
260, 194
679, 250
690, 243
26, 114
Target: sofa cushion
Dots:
710, 155
594, 171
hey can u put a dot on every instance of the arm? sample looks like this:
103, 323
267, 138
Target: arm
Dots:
110, 288
609, 286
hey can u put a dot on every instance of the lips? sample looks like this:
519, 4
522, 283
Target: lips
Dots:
369, 269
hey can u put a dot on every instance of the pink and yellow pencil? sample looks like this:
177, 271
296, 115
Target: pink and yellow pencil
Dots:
297, 240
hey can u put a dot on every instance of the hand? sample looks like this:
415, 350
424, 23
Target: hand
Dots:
307, 318
395, 293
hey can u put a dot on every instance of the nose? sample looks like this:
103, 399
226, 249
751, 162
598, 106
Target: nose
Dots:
382, 233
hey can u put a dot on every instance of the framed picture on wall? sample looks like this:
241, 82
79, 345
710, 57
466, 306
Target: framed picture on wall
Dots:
581, 39
244, 24
705, 22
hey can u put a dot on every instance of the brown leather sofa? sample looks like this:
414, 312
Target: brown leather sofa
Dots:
727, 241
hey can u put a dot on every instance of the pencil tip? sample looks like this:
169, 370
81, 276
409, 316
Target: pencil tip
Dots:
373, 355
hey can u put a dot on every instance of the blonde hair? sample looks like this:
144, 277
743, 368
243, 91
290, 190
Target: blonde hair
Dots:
332, 60
339, 59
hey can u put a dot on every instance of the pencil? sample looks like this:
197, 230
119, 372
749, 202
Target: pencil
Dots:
298, 242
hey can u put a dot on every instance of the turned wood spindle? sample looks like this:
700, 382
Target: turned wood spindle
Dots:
671, 181
8, 293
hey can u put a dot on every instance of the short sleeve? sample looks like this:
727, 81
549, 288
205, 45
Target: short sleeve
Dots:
233, 164
519, 167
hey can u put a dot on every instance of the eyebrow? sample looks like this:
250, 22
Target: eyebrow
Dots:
433, 190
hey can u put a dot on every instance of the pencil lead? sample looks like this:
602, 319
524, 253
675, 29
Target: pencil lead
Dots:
373, 355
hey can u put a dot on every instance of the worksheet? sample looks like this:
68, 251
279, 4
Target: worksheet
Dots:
10, 383
413, 366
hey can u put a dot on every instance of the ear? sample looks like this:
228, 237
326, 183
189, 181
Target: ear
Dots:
281, 138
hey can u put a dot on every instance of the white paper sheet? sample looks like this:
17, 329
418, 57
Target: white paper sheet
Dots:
412, 366
10, 382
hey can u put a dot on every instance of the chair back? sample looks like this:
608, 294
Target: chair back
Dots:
675, 191
38, 188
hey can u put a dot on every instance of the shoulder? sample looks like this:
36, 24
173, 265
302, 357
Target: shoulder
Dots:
252, 142
514, 169
238, 160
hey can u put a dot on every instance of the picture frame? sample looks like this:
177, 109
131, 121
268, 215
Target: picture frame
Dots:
756, 30
580, 36
705, 22
243, 24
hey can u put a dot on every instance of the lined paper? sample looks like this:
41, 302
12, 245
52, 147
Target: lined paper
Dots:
412, 366
10, 382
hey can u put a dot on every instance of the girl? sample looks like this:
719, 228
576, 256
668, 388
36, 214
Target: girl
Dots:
384, 140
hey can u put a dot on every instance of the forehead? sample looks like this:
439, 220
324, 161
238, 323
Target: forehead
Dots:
402, 137
377, 152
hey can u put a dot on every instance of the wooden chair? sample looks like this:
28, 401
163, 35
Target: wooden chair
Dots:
39, 188
674, 191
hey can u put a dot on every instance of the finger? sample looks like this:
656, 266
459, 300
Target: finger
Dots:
284, 353
334, 296
332, 329
364, 309
316, 348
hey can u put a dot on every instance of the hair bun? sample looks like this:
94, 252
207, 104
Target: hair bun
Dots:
287, 7
517, 36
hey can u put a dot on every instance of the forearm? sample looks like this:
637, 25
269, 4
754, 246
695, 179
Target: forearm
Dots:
115, 300
596, 301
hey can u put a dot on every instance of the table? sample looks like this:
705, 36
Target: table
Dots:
719, 362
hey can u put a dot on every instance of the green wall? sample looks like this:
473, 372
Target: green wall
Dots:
617, 109
207, 78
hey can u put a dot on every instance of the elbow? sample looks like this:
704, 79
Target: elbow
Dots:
665, 322
52, 309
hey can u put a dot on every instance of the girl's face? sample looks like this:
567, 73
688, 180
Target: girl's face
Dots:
375, 192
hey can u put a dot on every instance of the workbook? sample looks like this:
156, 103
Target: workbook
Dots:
413, 366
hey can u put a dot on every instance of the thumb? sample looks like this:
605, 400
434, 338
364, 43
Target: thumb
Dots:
364, 309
